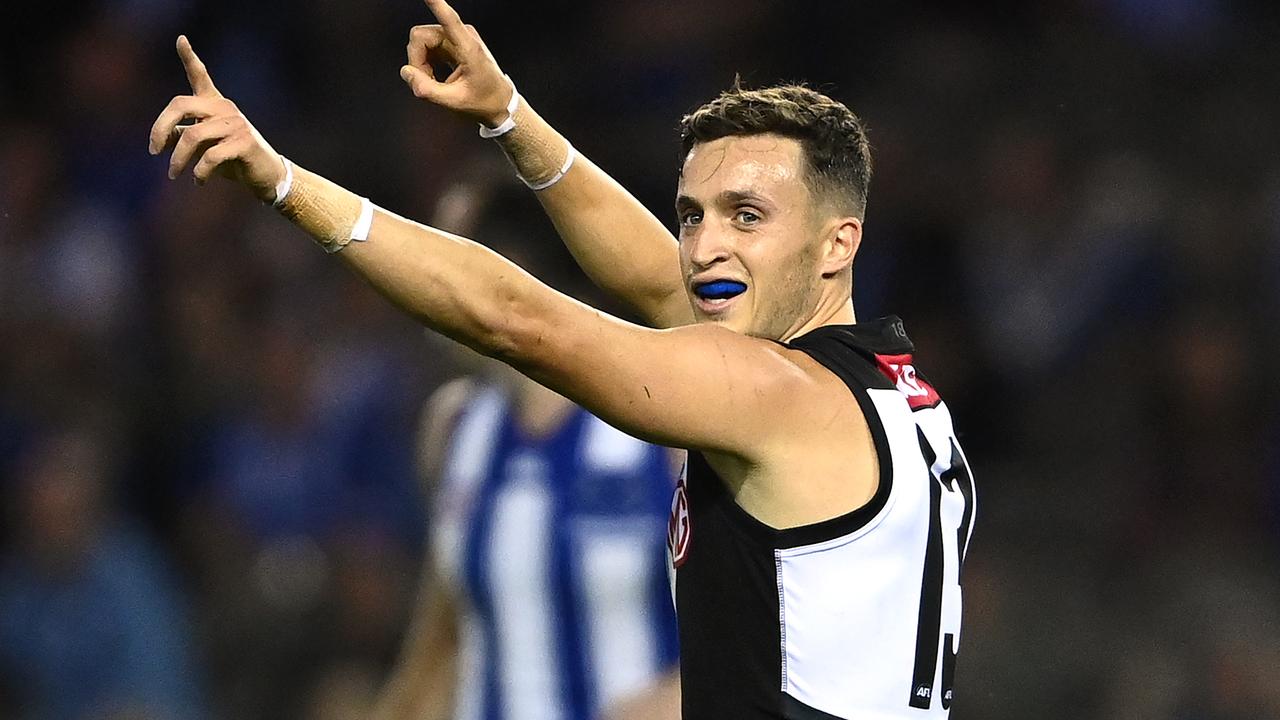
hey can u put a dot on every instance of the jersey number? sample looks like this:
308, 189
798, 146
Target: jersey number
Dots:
955, 479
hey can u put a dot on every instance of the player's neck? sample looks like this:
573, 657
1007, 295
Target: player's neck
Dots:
829, 312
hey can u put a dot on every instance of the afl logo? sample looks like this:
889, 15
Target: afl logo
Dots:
678, 527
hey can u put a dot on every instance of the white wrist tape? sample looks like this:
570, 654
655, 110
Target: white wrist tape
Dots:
509, 124
360, 233
543, 185
285, 185
331, 215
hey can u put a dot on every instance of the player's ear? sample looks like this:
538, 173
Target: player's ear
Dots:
840, 243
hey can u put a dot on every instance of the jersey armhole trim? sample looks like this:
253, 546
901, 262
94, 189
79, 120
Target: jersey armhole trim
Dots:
841, 525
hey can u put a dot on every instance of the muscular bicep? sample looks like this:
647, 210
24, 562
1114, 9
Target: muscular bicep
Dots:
701, 387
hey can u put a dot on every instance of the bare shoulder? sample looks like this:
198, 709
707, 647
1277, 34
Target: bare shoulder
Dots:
789, 399
818, 459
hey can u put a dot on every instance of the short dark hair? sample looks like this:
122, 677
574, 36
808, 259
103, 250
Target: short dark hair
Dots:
833, 139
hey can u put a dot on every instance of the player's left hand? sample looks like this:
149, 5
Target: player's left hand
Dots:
476, 86
222, 139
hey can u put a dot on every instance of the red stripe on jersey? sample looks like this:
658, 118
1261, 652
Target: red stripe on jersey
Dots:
902, 373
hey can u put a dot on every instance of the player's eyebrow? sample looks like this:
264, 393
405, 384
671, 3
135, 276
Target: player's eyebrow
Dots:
727, 198
738, 197
685, 202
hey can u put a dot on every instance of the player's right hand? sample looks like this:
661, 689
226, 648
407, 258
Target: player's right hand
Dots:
476, 87
221, 140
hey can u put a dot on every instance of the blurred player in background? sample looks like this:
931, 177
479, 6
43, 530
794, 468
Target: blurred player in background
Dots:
818, 535
545, 593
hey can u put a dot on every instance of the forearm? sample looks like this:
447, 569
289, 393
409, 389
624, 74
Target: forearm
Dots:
452, 285
621, 246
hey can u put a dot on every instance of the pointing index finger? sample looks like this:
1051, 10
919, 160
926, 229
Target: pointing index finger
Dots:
197, 74
454, 29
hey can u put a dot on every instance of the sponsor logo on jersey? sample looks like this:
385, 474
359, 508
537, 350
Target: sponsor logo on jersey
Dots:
678, 526
902, 373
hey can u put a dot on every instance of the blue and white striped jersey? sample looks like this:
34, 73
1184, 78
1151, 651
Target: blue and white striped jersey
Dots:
556, 550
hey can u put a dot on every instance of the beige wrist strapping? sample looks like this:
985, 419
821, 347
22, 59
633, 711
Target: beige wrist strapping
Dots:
540, 155
331, 214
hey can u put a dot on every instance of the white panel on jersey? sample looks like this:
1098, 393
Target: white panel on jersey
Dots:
850, 605
608, 449
470, 451
469, 686
519, 578
616, 573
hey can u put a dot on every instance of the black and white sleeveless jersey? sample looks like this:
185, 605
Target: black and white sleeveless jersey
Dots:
857, 617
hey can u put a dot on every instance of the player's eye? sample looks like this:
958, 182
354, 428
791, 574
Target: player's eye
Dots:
747, 216
690, 218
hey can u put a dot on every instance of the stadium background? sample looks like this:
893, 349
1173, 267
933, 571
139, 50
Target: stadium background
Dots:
206, 427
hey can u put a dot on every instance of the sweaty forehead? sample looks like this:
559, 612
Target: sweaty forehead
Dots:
754, 162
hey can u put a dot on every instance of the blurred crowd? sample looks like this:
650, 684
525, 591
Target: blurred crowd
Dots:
207, 428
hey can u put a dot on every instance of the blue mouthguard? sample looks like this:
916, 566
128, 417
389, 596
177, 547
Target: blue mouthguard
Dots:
721, 289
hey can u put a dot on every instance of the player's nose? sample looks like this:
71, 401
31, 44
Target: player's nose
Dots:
708, 246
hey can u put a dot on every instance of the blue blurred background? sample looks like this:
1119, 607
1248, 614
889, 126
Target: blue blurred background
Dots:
207, 428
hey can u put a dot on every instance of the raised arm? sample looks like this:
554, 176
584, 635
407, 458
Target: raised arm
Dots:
622, 247
701, 386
